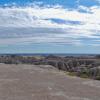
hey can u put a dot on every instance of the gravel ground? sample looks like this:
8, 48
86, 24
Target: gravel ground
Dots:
39, 82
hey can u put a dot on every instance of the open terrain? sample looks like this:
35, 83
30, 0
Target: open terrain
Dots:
87, 66
44, 82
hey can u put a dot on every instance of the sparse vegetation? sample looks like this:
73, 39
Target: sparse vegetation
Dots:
84, 67
97, 78
72, 73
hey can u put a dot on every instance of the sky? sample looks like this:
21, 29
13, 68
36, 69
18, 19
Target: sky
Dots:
50, 26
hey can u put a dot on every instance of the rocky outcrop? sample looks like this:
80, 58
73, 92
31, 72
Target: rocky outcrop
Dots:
82, 66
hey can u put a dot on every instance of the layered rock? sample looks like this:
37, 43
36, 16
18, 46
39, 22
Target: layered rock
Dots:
82, 66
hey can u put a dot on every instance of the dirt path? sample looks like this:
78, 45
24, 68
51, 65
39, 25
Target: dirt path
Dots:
31, 82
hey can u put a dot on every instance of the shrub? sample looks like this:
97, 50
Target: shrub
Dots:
97, 77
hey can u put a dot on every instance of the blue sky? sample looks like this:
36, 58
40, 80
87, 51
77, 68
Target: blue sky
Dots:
49, 26
65, 3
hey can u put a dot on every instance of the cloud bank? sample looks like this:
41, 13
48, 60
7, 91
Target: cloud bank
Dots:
50, 24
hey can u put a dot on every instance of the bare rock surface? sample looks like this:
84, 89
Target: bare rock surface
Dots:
44, 82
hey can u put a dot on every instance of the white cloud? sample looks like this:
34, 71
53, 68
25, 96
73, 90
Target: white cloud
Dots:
36, 17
